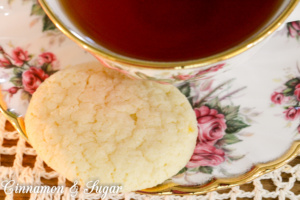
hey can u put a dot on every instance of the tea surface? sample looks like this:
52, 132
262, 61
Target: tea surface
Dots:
169, 30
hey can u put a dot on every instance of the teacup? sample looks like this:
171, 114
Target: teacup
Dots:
169, 71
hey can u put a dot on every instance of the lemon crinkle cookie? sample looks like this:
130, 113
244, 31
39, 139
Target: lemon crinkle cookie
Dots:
91, 123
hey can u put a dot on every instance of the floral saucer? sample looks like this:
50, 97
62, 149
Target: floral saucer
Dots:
248, 116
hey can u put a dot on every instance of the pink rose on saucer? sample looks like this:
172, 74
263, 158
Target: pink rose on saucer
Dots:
206, 155
5, 62
292, 113
294, 29
297, 92
32, 78
13, 90
184, 77
46, 58
211, 125
216, 68
20, 56
211, 69
277, 98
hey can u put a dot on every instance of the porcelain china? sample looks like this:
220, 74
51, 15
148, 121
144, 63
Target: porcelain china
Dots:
248, 116
174, 72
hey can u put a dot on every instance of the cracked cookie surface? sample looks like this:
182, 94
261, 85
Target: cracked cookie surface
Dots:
88, 122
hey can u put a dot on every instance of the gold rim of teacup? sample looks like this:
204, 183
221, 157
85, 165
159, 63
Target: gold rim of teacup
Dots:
175, 65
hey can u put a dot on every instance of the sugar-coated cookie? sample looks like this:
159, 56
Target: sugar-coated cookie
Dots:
92, 123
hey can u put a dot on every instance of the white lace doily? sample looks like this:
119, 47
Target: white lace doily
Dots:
281, 184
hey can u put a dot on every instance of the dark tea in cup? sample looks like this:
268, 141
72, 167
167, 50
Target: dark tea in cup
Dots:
169, 30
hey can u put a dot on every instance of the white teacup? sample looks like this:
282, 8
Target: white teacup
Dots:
174, 72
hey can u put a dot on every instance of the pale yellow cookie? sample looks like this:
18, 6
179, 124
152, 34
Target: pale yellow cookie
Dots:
88, 122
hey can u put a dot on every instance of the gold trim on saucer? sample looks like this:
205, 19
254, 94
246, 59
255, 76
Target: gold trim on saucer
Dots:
170, 188
175, 65
17, 122
220, 184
